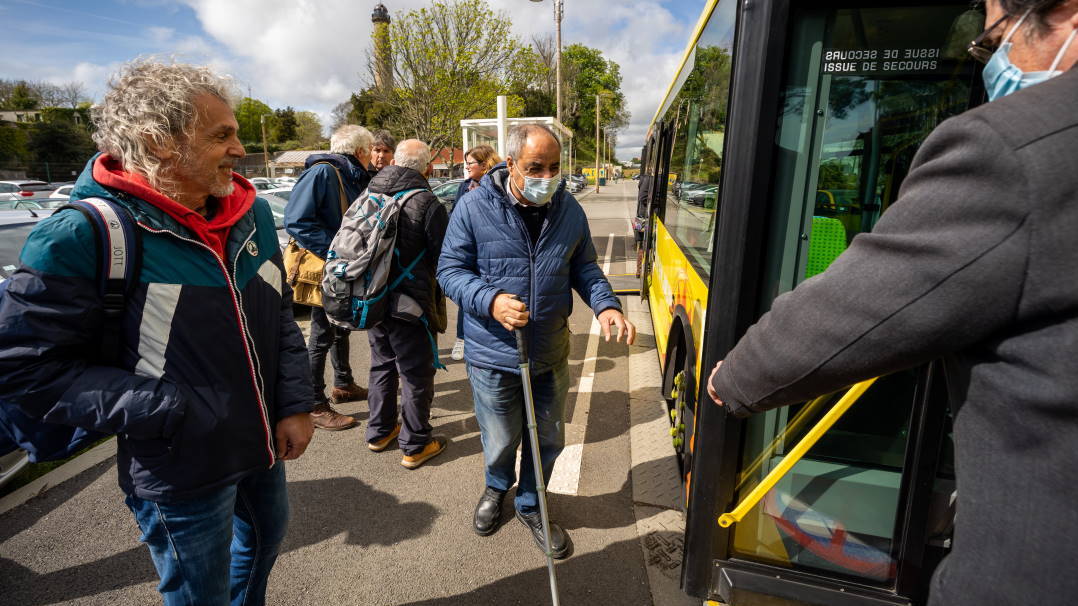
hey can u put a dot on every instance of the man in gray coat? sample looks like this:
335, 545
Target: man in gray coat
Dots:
975, 263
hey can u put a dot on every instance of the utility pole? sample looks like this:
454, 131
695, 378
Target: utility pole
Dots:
558, 7
596, 142
265, 149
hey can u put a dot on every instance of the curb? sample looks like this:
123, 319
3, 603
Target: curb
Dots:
58, 476
660, 523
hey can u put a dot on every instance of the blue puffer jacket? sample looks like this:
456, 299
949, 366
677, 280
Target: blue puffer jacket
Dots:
211, 357
487, 251
313, 214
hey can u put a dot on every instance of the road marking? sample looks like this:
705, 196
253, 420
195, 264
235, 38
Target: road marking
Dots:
566, 476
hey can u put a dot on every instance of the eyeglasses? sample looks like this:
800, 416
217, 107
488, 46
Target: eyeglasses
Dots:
978, 49
473, 163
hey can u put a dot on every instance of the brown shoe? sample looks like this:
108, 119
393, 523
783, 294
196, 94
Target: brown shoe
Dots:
431, 450
348, 393
324, 417
382, 444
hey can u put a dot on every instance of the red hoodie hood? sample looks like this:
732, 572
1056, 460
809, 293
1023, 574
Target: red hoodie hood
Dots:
212, 232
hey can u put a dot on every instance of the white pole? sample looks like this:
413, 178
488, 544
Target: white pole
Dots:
503, 124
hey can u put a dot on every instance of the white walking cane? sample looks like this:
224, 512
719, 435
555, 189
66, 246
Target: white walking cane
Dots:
533, 438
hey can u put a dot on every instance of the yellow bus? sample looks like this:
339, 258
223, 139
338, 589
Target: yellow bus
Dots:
787, 130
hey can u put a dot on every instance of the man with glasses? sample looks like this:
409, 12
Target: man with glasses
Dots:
975, 264
516, 248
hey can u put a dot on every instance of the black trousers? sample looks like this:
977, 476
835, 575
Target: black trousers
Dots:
327, 338
401, 356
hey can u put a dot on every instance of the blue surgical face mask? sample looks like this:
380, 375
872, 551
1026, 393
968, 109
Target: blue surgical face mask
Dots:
1001, 77
539, 191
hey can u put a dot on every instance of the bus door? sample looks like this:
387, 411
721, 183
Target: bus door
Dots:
863, 87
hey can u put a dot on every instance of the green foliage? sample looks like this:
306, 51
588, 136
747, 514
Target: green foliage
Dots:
450, 62
309, 130
585, 73
22, 97
249, 114
13, 140
59, 142
284, 128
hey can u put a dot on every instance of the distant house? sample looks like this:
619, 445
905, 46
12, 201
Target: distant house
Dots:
20, 115
449, 162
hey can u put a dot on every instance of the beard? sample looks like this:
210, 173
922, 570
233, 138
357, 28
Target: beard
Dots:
222, 190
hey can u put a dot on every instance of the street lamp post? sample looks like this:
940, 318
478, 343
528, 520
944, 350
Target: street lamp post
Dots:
265, 149
559, 6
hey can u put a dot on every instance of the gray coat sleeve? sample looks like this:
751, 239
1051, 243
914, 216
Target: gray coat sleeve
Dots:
943, 269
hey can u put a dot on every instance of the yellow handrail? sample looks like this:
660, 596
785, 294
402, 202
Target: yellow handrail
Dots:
791, 428
728, 519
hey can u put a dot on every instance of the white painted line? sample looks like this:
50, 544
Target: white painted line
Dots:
566, 476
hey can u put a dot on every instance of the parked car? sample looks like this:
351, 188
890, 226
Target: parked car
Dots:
285, 181
15, 226
22, 204
278, 199
22, 189
447, 193
262, 183
573, 185
63, 192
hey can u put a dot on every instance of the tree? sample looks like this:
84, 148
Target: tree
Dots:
450, 62
59, 141
309, 130
285, 127
22, 96
72, 94
249, 114
586, 73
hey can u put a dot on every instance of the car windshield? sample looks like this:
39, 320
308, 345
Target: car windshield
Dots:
19, 204
446, 189
12, 238
36, 187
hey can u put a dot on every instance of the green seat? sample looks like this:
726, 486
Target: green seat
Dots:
826, 242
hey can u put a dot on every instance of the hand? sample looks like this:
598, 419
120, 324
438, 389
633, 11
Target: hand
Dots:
509, 311
625, 327
710, 381
293, 435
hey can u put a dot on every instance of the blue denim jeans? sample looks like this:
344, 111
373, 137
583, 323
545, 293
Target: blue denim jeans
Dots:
499, 408
217, 549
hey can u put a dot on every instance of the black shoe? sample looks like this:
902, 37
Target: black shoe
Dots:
559, 539
488, 512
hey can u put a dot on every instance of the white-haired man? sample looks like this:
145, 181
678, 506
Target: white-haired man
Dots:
211, 390
312, 218
403, 346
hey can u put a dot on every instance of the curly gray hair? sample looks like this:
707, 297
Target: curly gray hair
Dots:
150, 104
350, 137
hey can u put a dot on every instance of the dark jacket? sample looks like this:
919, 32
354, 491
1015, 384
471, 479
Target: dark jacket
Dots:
420, 231
487, 251
464, 187
211, 356
975, 262
313, 213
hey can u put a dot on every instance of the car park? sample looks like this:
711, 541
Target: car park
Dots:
278, 199
447, 193
24, 189
15, 226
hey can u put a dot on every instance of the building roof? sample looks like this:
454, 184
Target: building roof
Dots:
443, 155
298, 157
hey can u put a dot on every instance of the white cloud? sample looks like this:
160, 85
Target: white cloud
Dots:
311, 55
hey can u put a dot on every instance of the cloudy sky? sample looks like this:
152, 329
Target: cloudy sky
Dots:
310, 53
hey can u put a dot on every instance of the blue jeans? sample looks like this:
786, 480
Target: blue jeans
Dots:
499, 408
217, 549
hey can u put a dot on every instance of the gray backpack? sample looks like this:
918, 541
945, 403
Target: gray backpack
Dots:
356, 292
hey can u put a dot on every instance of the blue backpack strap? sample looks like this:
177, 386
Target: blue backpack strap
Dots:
433, 343
119, 246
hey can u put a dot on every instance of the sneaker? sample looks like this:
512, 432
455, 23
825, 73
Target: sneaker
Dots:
458, 350
348, 393
383, 443
432, 449
324, 417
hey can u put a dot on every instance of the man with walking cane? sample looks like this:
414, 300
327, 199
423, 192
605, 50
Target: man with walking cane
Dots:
515, 249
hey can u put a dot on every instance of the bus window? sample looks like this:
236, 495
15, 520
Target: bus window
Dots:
698, 116
864, 87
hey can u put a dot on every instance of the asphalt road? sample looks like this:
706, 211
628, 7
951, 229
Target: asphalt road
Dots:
364, 530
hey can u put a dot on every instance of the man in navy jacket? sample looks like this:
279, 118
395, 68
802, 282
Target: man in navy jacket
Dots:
211, 392
516, 248
312, 218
